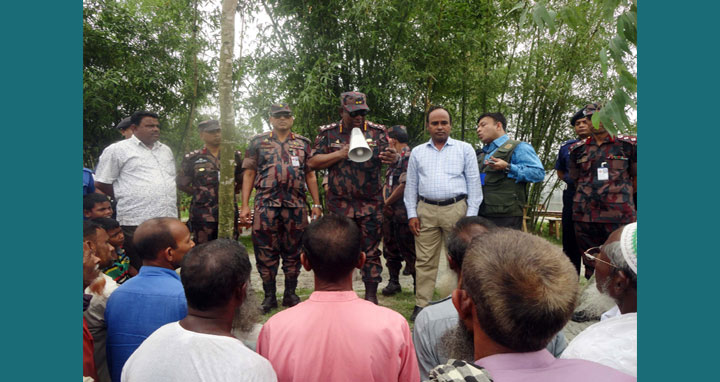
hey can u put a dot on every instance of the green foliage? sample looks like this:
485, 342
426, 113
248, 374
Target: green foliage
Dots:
143, 55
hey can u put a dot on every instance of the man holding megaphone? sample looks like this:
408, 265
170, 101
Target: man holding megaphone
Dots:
353, 150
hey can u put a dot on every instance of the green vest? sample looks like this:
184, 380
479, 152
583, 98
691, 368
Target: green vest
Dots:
501, 195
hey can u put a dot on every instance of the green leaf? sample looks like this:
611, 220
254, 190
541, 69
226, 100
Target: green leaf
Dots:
604, 60
537, 17
516, 7
628, 81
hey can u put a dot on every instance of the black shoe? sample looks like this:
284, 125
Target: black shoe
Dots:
270, 301
371, 292
416, 311
393, 287
289, 296
406, 271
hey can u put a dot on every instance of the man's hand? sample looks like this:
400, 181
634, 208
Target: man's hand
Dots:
496, 164
343, 152
245, 214
414, 225
315, 213
389, 156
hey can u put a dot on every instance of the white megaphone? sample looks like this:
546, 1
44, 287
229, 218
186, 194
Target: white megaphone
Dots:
359, 149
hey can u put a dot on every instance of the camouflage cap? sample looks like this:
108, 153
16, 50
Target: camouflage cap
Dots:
353, 101
277, 108
396, 129
209, 125
124, 124
590, 109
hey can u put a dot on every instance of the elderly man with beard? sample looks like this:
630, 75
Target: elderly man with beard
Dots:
613, 340
518, 291
216, 279
436, 334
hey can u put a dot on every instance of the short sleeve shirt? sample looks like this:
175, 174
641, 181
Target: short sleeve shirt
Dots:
143, 180
354, 189
281, 169
563, 161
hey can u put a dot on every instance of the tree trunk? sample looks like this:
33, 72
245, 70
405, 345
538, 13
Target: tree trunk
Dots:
227, 207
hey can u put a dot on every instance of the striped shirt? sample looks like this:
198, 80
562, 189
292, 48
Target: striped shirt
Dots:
443, 174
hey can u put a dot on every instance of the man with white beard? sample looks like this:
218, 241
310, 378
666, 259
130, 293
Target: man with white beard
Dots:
216, 279
613, 340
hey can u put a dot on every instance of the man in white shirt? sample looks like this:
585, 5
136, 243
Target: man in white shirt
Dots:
201, 347
139, 172
443, 174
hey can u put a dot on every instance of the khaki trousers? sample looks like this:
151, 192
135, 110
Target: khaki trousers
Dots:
436, 222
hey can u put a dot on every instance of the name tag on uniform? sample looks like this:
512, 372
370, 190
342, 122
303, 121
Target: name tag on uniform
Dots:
603, 173
295, 161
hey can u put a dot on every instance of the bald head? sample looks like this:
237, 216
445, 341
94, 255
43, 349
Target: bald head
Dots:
155, 236
524, 288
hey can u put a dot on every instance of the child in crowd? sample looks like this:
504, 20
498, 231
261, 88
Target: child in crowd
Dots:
120, 270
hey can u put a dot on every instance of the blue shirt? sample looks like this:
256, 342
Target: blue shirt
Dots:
88, 182
525, 164
137, 308
443, 174
563, 161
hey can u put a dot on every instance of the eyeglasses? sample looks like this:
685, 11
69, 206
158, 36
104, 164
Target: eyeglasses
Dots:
282, 115
358, 112
592, 255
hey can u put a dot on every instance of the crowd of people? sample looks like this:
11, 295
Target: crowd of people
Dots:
167, 300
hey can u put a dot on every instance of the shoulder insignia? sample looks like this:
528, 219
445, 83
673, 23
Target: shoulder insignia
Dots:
329, 126
627, 138
298, 136
376, 125
577, 144
508, 146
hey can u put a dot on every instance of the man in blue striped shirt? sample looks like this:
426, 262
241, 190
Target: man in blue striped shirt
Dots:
443, 185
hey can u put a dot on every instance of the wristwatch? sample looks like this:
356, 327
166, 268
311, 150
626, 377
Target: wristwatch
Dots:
507, 169
317, 206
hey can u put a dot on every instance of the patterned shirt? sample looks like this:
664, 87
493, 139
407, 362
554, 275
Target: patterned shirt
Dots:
281, 169
143, 180
608, 200
201, 171
443, 174
354, 189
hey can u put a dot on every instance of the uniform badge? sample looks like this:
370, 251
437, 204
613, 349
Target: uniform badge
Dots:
201, 169
508, 146
201, 160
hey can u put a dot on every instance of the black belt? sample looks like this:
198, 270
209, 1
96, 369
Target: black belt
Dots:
444, 202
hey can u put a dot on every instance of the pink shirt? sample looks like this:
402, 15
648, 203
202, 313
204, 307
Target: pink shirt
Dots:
336, 336
541, 366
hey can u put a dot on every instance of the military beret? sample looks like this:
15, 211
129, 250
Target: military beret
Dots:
398, 132
209, 125
353, 101
577, 116
124, 124
278, 108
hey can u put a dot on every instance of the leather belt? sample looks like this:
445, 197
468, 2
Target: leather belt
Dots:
444, 202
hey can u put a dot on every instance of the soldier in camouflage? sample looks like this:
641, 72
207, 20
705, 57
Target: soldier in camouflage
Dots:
398, 241
275, 165
604, 169
355, 189
199, 176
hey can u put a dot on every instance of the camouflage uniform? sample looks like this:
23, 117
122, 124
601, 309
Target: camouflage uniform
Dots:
398, 241
200, 170
280, 210
355, 189
602, 206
